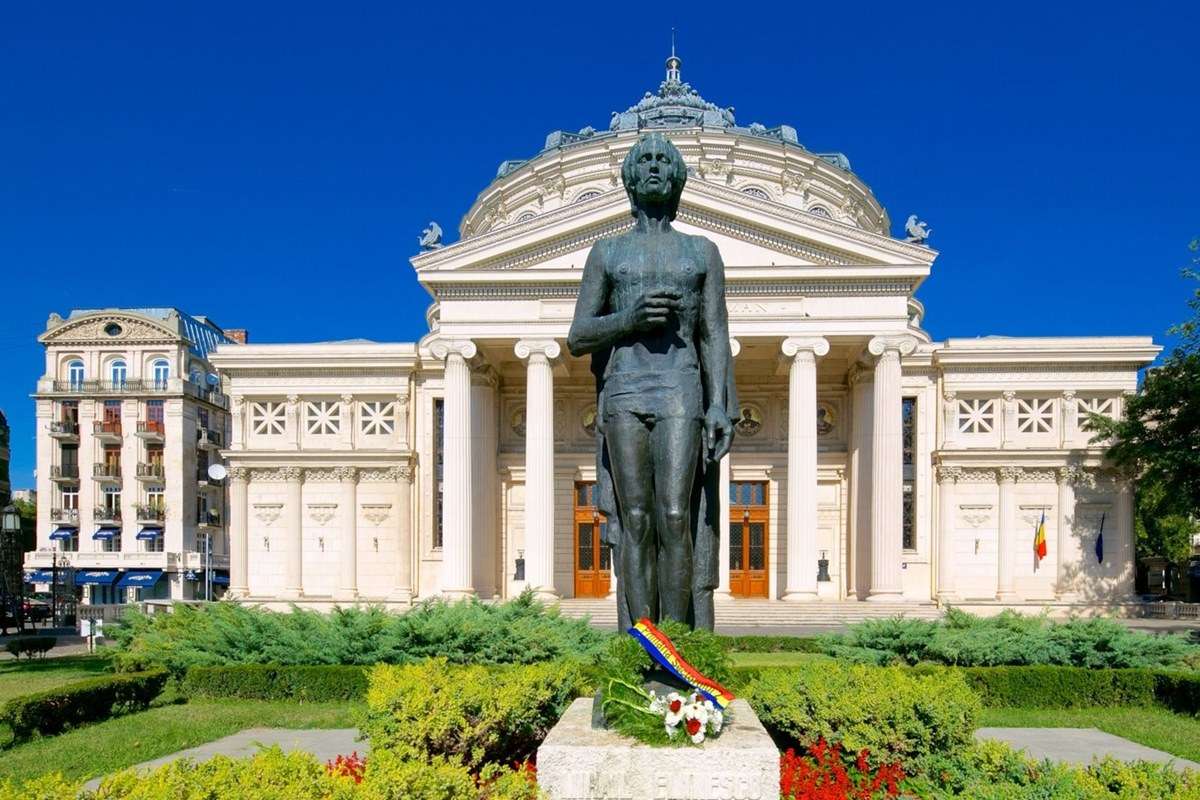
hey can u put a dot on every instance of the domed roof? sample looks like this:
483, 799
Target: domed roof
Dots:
675, 105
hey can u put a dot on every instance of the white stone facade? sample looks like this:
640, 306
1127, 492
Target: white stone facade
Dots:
460, 465
128, 421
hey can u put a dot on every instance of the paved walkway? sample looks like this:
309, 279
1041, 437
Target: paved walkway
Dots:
1080, 746
326, 744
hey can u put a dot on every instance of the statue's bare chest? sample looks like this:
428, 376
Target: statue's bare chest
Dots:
636, 267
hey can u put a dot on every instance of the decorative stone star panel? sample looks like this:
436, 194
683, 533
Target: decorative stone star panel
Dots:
268, 419
324, 417
976, 415
1035, 415
377, 418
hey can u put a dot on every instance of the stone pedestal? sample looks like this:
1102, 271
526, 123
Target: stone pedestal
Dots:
579, 762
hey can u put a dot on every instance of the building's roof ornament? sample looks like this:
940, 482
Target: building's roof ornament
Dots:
431, 237
918, 232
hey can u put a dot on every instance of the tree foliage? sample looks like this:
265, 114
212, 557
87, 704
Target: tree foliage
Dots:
1158, 438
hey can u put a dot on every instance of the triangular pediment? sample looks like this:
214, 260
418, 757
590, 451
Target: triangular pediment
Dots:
749, 232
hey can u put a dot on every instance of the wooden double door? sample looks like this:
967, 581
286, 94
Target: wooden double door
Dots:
748, 542
593, 558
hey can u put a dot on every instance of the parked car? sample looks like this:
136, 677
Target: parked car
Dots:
36, 610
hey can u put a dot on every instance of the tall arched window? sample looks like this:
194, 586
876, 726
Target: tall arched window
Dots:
75, 374
118, 371
161, 369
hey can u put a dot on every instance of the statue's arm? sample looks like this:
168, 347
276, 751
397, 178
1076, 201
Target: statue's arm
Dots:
714, 328
591, 329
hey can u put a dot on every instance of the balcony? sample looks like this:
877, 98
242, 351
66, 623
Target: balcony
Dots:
151, 513
209, 440
65, 473
153, 471
110, 387
65, 431
70, 516
211, 519
206, 393
107, 430
106, 514
150, 429
107, 472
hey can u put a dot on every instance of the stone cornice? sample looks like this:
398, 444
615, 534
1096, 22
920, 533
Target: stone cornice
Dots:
797, 287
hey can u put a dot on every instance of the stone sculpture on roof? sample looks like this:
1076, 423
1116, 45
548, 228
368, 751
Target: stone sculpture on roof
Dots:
431, 237
918, 232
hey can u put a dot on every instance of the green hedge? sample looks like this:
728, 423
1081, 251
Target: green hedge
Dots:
324, 683
1178, 691
771, 644
91, 700
29, 646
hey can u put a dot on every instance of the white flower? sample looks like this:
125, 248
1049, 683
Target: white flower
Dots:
718, 719
699, 737
674, 710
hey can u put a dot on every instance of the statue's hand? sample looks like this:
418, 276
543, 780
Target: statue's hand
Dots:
653, 309
718, 433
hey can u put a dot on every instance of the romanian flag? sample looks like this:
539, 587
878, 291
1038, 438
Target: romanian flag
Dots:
1039, 538
661, 650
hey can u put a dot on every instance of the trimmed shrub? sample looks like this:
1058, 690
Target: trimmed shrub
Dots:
29, 646
1178, 691
521, 631
1060, 687
772, 644
896, 714
91, 700
324, 683
1008, 638
477, 714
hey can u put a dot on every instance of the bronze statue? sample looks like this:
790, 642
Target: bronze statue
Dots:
651, 312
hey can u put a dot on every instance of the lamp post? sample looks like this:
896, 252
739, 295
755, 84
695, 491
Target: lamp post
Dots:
12, 582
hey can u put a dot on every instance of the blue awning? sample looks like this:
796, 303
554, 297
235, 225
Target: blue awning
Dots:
39, 576
63, 532
219, 578
100, 577
139, 577
106, 533
149, 532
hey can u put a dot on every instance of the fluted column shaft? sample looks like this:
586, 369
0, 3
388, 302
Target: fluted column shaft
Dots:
239, 568
887, 469
348, 557
403, 591
735, 347
947, 478
1064, 524
1006, 536
539, 464
293, 568
802, 466
457, 555
1126, 545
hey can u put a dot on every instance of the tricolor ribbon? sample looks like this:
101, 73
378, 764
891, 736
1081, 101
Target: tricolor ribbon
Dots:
663, 651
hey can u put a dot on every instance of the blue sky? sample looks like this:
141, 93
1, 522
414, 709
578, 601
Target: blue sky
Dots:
233, 158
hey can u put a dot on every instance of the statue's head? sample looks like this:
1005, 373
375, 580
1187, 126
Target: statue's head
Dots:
654, 174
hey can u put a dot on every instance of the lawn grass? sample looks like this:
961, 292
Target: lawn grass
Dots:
115, 744
775, 659
24, 676
1159, 728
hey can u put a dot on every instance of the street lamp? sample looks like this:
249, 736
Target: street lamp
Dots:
12, 582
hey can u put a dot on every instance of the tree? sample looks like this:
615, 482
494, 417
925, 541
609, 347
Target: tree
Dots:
1158, 438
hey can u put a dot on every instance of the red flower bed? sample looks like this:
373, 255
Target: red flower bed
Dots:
351, 766
825, 773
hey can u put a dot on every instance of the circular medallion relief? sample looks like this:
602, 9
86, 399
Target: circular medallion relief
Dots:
517, 422
113, 329
826, 419
587, 420
749, 420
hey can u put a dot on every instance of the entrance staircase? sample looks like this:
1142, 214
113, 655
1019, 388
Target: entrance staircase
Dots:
768, 616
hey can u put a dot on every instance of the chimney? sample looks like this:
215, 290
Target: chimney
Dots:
238, 335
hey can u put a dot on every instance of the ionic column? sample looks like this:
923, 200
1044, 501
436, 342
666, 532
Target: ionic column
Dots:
887, 468
348, 555
1126, 549
801, 581
239, 567
539, 463
735, 347
293, 567
403, 590
947, 478
1066, 477
457, 559
1006, 536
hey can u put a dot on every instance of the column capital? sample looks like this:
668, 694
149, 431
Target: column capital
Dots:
444, 348
1068, 394
950, 395
1009, 474
293, 474
345, 474
239, 473
947, 474
1068, 474
528, 348
901, 345
795, 345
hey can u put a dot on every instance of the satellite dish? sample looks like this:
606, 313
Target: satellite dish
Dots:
217, 472
212, 380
